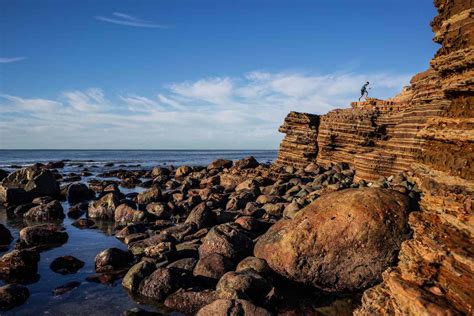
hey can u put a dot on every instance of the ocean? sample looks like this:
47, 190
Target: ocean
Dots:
78, 159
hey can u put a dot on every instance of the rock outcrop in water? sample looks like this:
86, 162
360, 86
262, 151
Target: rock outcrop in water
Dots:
428, 131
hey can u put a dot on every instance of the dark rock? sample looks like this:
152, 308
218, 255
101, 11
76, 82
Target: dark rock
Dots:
228, 240
84, 223
137, 274
77, 192
34, 181
46, 212
190, 301
247, 285
186, 264
200, 216
139, 312
42, 236
220, 164
258, 265
68, 287
66, 265
232, 308
212, 267
112, 259
182, 172
5, 236
23, 208
12, 295
246, 163
162, 282
19, 265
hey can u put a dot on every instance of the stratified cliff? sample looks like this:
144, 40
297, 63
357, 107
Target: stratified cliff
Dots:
427, 131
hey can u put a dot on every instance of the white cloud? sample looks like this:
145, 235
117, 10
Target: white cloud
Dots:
219, 112
7, 60
129, 20
91, 100
14, 103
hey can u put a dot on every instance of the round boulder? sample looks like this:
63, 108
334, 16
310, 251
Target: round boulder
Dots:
342, 242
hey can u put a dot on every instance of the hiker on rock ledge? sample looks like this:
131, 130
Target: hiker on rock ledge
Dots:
364, 91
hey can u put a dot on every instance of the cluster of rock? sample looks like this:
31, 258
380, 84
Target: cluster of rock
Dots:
197, 237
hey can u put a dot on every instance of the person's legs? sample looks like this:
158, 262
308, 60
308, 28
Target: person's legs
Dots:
361, 94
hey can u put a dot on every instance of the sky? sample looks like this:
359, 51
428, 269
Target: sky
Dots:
174, 74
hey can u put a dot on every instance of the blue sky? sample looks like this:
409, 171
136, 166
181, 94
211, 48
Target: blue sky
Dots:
195, 74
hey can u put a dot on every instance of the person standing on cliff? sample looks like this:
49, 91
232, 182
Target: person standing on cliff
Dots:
364, 91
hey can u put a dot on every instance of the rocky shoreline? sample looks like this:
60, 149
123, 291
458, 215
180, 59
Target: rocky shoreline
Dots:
227, 238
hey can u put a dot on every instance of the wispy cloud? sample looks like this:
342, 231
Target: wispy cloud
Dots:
6, 60
129, 20
219, 112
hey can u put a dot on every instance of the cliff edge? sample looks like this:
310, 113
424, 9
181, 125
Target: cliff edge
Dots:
428, 132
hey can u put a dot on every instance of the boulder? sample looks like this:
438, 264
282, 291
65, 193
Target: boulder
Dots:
220, 164
159, 171
77, 192
186, 264
34, 180
112, 259
246, 163
42, 236
191, 301
213, 267
19, 265
232, 308
126, 214
159, 210
45, 212
342, 242
183, 171
228, 240
151, 195
104, 208
137, 274
162, 282
247, 285
256, 264
84, 223
201, 216
66, 265
12, 295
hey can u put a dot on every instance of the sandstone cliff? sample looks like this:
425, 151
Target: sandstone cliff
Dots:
428, 132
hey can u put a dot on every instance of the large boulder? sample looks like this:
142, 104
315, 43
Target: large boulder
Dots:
66, 265
189, 301
247, 285
162, 282
104, 208
136, 274
342, 242
31, 182
45, 212
42, 236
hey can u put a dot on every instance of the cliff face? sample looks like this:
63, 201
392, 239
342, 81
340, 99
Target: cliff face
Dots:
428, 131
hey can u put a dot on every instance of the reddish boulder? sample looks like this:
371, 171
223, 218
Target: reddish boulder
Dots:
341, 242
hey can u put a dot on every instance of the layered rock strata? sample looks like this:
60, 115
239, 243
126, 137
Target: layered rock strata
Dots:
428, 132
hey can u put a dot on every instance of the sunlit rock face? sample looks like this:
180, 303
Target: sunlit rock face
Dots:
427, 130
